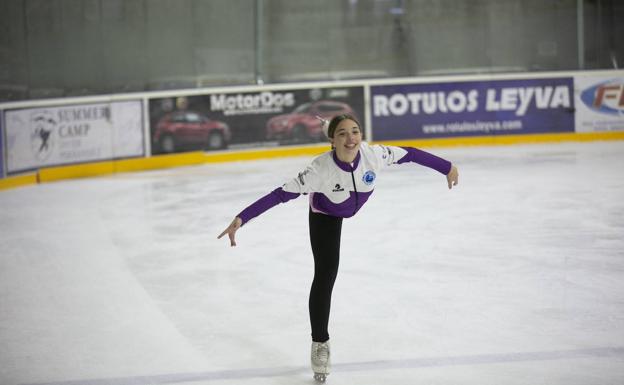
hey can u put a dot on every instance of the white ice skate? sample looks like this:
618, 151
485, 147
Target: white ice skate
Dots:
321, 363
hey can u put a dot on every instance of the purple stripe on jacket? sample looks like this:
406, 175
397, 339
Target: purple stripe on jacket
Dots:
346, 209
426, 159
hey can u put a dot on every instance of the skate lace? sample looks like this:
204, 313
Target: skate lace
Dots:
321, 353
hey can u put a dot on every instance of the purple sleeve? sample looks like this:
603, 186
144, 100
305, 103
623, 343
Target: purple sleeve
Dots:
426, 159
268, 201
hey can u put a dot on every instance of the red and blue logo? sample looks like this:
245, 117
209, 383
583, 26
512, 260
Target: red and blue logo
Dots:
606, 97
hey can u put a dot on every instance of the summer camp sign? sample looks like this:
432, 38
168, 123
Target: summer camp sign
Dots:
51, 136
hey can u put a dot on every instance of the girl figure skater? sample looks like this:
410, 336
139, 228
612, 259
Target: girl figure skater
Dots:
339, 183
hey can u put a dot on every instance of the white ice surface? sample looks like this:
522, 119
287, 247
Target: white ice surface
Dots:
514, 277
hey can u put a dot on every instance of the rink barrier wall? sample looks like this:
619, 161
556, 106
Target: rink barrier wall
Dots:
51, 174
596, 129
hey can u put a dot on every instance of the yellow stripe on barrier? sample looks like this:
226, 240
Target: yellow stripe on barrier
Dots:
264, 154
17, 181
51, 174
159, 161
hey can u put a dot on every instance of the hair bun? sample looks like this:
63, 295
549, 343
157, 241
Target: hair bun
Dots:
326, 127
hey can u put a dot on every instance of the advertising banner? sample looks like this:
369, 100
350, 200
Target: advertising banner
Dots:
49, 136
472, 108
248, 119
599, 103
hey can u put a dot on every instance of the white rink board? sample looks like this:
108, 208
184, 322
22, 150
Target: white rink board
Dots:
599, 103
51, 136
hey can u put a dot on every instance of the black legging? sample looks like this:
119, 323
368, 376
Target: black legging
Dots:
325, 241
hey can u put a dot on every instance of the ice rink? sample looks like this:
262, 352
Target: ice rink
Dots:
514, 277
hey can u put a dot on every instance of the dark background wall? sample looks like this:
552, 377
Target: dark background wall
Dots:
56, 48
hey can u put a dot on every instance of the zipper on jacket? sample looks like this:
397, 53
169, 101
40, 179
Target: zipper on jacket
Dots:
355, 190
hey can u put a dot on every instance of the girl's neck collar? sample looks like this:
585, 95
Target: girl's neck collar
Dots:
346, 166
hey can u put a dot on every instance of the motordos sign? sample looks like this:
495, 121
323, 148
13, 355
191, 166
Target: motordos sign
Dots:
262, 103
248, 119
72, 134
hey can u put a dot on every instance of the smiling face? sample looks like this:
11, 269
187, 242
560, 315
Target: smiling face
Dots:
346, 140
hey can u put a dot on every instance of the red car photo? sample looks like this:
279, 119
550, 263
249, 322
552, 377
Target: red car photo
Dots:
180, 130
302, 125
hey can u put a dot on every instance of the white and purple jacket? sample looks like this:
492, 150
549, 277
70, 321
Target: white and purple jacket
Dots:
338, 188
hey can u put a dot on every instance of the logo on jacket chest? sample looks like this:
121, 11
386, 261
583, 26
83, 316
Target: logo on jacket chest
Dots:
369, 177
338, 188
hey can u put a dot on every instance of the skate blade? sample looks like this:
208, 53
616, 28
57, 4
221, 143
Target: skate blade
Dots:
320, 377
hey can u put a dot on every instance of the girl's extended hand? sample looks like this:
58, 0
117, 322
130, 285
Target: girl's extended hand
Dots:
452, 177
231, 230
